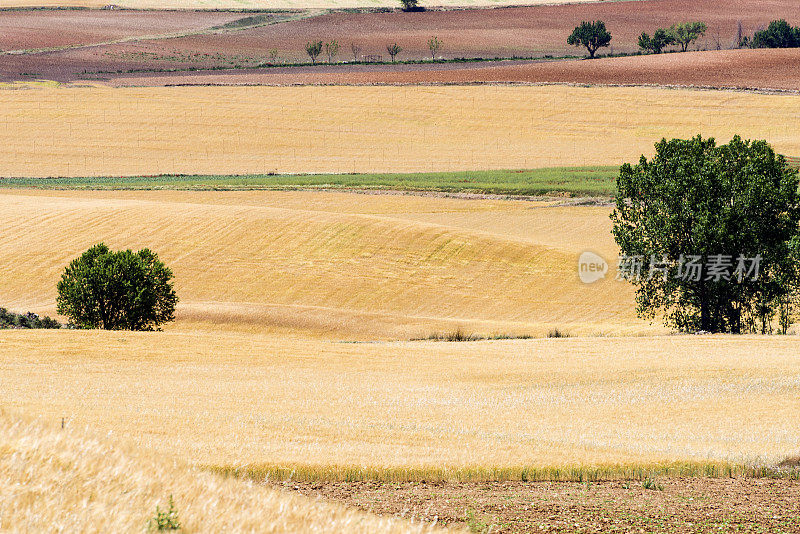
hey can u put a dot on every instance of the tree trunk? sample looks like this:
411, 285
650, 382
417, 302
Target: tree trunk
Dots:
705, 312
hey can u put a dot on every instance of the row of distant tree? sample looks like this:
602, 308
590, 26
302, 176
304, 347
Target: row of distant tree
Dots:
315, 48
594, 36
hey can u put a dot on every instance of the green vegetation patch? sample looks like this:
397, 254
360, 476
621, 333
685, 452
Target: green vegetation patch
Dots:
567, 181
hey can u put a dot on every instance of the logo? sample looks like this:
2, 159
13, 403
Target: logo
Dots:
591, 267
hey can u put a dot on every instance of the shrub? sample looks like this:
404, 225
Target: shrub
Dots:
779, 34
117, 290
656, 44
28, 320
411, 5
555, 332
652, 484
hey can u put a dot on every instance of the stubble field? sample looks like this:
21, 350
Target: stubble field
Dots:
90, 131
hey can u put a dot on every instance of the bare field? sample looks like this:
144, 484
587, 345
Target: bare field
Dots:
341, 265
86, 131
116, 42
465, 411
763, 69
519, 31
37, 29
266, 4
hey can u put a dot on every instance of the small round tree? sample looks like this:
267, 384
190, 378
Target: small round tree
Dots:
314, 49
122, 290
592, 35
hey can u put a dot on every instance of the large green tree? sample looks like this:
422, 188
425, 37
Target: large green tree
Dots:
709, 234
592, 35
122, 290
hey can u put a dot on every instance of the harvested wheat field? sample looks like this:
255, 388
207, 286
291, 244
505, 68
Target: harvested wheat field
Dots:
66, 480
342, 265
281, 407
759, 69
90, 131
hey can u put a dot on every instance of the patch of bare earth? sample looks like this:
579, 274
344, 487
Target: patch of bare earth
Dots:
738, 69
533, 31
35, 29
690, 505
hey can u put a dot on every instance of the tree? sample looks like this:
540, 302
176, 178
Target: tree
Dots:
434, 45
592, 35
712, 232
393, 50
411, 5
313, 49
332, 50
356, 50
686, 33
779, 34
117, 290
655, 44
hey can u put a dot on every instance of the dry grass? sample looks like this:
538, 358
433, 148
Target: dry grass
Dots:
75, 131
342, 265
54, 480
465, 410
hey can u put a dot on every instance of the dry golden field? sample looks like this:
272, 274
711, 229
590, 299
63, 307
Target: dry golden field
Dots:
82, 131
54, 480
390, 410
339, 265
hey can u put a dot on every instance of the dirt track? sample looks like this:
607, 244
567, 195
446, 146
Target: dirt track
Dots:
682, 506
22, 30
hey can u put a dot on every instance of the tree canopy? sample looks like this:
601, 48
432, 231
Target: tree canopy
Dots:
592, 35
122, 290
686, 33
656, 44
779, 34
709, 235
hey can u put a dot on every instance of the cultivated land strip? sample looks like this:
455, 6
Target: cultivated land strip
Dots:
96, 131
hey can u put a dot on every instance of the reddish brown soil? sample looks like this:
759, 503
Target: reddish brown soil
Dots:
682, 506
742, 69
22, 30
521, 31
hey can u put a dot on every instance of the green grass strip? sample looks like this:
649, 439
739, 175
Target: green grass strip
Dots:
568, 181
